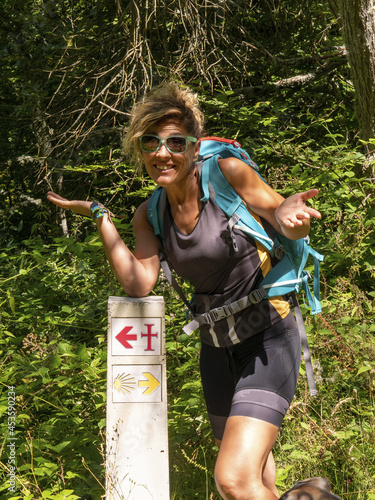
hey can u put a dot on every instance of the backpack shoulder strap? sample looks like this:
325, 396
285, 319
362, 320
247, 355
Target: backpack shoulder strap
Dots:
155, 209
216, 186
226, 148
168, 271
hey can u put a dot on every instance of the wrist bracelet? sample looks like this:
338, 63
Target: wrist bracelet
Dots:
97, 210
277, 219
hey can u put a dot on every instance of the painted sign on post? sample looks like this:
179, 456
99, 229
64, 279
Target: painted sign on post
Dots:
136, 336
137, 383
137, 439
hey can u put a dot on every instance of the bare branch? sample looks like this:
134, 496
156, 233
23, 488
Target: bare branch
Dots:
292, 82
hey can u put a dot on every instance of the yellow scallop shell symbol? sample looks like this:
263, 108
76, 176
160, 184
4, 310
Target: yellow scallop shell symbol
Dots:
124, 383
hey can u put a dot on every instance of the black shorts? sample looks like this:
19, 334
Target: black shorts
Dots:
255, 378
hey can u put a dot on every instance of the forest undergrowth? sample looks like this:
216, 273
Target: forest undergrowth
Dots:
53, 308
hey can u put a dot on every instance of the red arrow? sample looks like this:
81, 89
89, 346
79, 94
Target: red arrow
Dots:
123, 337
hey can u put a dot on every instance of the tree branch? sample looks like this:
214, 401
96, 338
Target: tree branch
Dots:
292, 82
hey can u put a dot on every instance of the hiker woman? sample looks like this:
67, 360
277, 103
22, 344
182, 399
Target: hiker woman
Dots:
249, 361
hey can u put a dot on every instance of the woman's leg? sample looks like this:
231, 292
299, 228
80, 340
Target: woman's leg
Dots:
245, 468
269, 472
269, 475
248, 389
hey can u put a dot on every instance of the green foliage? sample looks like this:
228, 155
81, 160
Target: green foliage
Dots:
55, 134
52, 343
336, 427
191, 443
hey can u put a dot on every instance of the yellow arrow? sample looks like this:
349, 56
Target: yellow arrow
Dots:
151, 383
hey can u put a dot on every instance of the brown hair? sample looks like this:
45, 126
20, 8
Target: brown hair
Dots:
169, 101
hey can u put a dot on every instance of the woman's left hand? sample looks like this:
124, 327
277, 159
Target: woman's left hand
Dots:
294, 211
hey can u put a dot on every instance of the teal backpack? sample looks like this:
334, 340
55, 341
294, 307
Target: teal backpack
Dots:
286, 278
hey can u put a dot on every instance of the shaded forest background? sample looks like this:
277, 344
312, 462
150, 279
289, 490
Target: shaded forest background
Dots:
275, 76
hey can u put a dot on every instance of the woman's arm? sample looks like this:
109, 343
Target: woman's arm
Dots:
136, 272
290, 216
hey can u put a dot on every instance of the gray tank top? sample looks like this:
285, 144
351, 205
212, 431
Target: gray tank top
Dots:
219, 276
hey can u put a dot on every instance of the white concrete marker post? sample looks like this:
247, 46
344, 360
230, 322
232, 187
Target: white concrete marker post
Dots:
137, 465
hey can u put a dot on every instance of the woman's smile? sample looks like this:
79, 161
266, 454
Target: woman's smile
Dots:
164, 167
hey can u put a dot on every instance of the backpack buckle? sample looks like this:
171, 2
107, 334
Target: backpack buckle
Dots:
216, 314
306, 276
280, 252
257, 295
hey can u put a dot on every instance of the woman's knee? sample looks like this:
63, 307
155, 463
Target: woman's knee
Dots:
227, 485
244, 467
233, 486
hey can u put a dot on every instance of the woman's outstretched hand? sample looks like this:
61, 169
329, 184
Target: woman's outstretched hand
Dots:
293, 211
78, 206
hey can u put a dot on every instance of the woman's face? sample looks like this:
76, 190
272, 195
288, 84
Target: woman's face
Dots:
167, 168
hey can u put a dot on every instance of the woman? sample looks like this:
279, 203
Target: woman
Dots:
248, 377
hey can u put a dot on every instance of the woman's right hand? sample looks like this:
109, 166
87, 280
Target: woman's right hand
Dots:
78, 206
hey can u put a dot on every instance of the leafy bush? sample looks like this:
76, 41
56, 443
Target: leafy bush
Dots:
54, 289
52, 345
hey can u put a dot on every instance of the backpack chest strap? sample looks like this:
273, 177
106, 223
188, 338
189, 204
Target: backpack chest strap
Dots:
225, 311
266, 291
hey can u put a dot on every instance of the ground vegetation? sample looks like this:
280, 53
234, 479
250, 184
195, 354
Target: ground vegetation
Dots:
274, 75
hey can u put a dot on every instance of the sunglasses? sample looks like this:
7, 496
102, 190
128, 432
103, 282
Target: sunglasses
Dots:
175, 143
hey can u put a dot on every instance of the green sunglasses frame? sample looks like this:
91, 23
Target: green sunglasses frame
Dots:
188, 139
